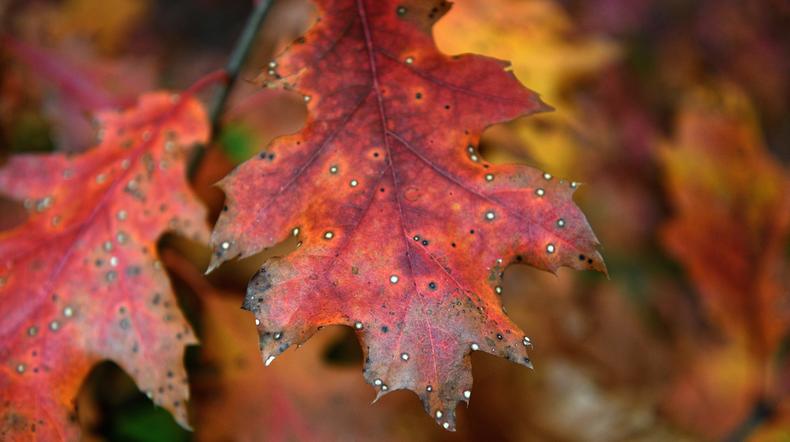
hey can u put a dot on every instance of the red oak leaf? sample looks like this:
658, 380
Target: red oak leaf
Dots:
80, 280
405, 230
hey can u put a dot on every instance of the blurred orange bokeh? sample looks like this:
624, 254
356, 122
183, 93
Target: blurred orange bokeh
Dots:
673, 114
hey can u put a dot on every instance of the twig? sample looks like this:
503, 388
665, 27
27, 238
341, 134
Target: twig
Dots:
762, 411
237, 58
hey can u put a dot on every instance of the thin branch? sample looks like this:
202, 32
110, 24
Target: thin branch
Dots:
762, 411
232, 69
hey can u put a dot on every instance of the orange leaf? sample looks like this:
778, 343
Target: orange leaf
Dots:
732, 217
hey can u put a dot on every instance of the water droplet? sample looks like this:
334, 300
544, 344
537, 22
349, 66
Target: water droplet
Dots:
328, 235
384, 387
54, 325
404, 356
225, 245
490, 215
475, 347
121, 215
32, 330
498, 290
446, 425
114, 261
358, 325
295, 231
306, 98
401, 11
333, 169
574, 184
560, 223
409, 60
257, 321
546, 175
526, 341
121, 237
429, 389
278, 336
354, 183
439, 414
467, 394
540, 192
489, 177
269, 360
377, 382
550, 248
68, 312
272, 64
394, 279
44, 204
20, 368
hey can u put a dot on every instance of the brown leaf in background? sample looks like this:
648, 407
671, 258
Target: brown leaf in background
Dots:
732, 215
729, 231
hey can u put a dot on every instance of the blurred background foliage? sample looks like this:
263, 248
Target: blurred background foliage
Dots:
674, 113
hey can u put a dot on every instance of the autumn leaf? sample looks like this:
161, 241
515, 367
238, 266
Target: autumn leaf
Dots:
732, 218
404, 229
80, 280
729, 230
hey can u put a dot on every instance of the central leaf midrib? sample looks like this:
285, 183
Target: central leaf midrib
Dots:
385, 135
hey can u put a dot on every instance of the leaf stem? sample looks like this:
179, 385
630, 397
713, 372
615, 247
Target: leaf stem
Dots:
232, 69
762, 411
